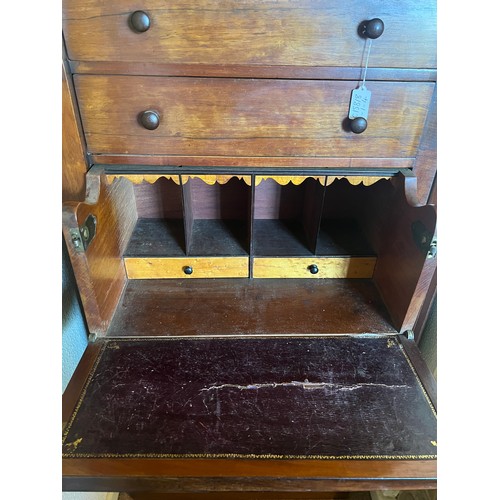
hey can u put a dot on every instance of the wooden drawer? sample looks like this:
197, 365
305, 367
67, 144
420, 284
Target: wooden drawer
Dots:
322, 267
245, 117
189, 267
308, 33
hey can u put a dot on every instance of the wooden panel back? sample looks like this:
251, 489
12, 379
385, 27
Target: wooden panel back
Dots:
219, 201
267, 32
274, 201
162, 199
243, 117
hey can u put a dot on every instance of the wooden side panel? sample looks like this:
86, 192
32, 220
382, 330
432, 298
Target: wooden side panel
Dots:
246, 32
403, 272
243, 117
426, 159
99, 271
74, 166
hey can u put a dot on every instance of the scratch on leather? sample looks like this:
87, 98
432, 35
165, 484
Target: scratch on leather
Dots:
303, 385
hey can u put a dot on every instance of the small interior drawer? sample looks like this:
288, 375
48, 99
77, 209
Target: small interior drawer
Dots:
247, 117
192, 267
208, 32
318, 267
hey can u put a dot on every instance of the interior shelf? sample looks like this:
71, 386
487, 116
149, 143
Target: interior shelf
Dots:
218, 237
342, 237
156, 238
275, 237
164, 307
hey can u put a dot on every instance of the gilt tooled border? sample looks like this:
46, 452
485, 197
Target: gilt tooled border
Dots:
228, 455
84, 392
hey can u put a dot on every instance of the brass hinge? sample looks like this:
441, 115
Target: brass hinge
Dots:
426, 242
82, 236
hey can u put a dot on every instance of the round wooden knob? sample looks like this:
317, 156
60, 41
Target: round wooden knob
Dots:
313, 269
139, 21
149, 119
372, 28
358, 125
187, 270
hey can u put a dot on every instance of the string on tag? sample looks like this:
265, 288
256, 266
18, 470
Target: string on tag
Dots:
366, 63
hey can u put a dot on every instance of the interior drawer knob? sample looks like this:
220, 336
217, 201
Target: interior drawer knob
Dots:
187, 270
358, 125
313, 269
139, 21
372, 28
149, 119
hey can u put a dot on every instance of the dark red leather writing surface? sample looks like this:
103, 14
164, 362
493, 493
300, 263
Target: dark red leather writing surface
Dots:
316, 397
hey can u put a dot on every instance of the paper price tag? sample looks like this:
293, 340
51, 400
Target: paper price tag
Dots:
360, 103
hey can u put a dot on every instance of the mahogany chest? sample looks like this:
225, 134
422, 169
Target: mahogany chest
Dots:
249, 213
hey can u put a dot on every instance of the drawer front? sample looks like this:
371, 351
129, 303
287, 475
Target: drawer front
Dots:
251, 32
313, 267
186, 267
245, 117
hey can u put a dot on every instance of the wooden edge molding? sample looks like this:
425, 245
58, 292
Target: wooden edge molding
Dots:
407, 181
246, 475
295, 162
250, 71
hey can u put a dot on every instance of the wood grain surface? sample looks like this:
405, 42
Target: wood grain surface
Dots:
249, 306
99, 271
245, 32
74, 166
156, 162
299, 267
403, 273
243, 117
173, 267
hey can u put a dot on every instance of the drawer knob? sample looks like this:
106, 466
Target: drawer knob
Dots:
139, 21
149, 119
358, 125
372, 28
313, 269
187, 270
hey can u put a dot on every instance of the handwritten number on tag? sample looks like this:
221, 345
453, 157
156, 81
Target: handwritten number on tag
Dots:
360, 103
